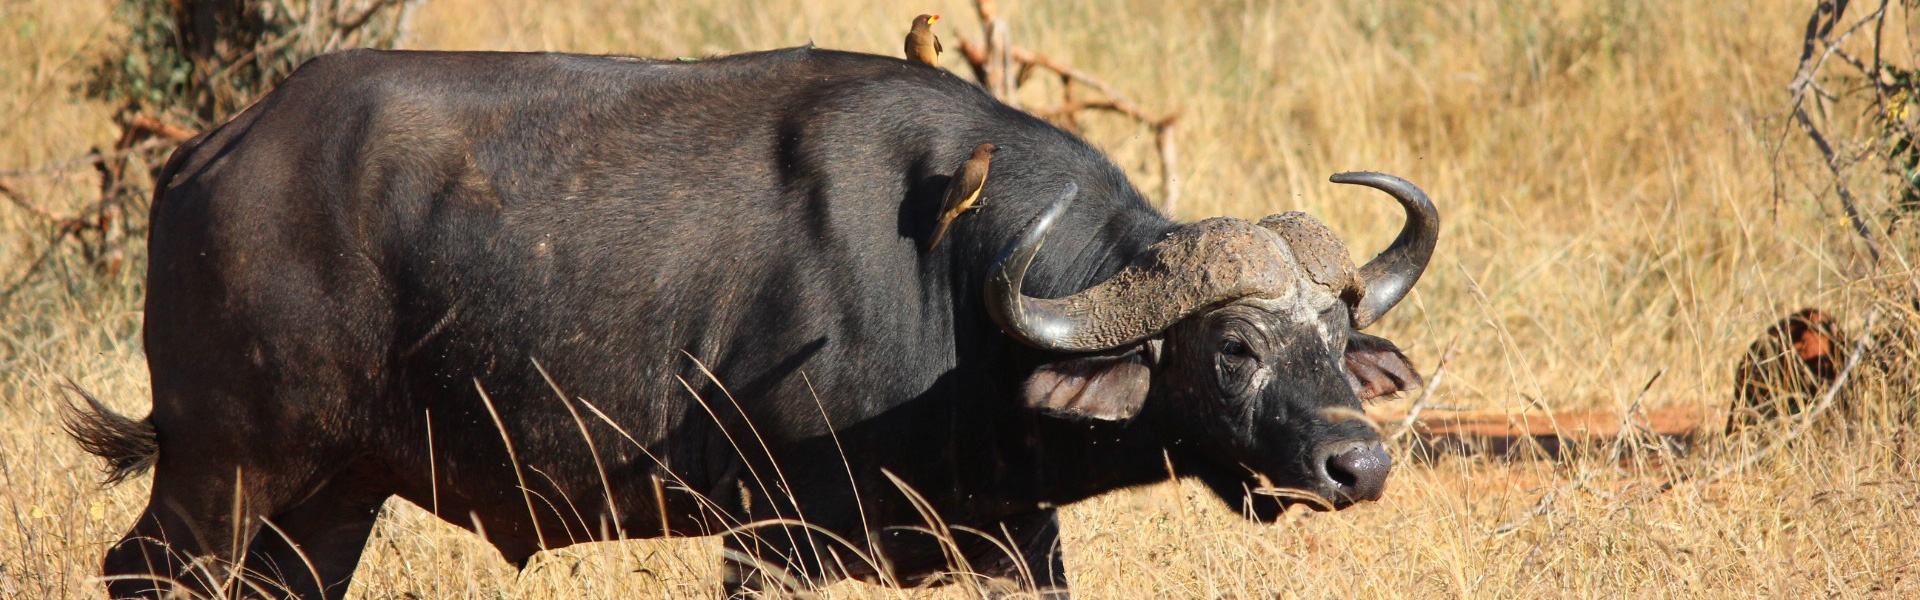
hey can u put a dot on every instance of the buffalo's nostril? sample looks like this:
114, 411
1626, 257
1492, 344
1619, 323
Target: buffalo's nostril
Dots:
1358, 470
1338, 471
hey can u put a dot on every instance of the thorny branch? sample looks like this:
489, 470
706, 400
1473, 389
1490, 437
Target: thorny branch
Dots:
1839, 182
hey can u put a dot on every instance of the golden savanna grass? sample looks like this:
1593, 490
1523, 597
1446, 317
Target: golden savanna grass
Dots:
1624, 201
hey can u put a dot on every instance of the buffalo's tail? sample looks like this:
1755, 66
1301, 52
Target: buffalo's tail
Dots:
129, 446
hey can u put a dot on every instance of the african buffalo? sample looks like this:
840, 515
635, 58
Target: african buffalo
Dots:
558, 298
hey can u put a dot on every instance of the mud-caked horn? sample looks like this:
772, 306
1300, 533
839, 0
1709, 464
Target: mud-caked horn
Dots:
1197, 266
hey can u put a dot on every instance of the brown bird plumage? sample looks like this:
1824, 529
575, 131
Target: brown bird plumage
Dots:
1789, 367
963, 191
922, 45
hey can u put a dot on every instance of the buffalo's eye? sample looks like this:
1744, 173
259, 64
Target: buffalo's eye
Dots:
1234, 367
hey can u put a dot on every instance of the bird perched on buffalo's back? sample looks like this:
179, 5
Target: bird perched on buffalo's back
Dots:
1787, 368
922, 45
963, 190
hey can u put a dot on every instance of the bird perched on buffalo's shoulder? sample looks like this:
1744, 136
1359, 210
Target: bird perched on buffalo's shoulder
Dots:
922, 45
963, 190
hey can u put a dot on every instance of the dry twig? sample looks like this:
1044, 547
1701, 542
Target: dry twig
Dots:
139, 134
88, 160
20, 200
1839, 182
1420, 403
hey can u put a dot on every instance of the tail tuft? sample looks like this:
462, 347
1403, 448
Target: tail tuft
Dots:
129, 446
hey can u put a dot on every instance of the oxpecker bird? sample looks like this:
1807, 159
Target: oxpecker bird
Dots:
963, 191
922, 45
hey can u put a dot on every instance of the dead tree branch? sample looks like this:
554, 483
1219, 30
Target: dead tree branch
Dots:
1819, 28
107, 217
139, 134
89, 159
145, 126
982, 57
995, 66
1839, 182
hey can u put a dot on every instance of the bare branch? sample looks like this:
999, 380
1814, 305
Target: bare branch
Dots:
86, 161
1839, 183
1849, 59
981, 57
348, 25
143, 126
1817, 32
1169, 165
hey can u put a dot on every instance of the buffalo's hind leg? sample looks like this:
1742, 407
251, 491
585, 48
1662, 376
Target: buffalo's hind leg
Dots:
177, 551
184, 544
212, 493
151, 562
311, 550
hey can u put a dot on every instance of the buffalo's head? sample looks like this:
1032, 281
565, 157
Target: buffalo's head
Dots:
1247, 335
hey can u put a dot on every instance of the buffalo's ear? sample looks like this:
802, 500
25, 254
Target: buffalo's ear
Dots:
1109, 387
1375, 367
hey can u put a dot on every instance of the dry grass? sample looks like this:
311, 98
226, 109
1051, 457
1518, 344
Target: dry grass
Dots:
1621, 197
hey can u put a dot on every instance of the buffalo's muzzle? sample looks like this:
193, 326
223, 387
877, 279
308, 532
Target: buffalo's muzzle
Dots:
1353, 470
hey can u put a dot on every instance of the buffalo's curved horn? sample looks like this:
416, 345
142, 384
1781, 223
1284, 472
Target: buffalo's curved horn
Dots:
1196, 266
1004, 300
1391, 274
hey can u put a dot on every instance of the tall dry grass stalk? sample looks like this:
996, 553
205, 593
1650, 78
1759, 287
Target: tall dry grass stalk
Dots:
1622, 194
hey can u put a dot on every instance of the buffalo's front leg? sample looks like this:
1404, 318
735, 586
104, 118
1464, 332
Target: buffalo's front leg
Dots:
1015, 556
778, 562
1037, 568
